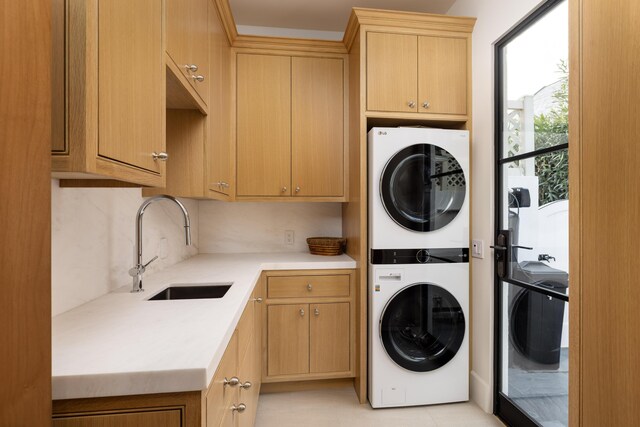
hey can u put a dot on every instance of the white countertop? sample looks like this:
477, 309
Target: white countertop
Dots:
122, 344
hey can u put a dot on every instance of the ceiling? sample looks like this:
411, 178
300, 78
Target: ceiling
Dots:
319, 15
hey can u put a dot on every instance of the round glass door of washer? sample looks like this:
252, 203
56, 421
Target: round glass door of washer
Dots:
422, 187
422, 327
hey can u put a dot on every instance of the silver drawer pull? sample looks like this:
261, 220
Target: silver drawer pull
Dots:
309, 287
316, 312
234, 381
302, 312
160, 156
240, 407
246, 385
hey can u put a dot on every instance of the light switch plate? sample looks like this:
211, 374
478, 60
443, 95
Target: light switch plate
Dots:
477, 248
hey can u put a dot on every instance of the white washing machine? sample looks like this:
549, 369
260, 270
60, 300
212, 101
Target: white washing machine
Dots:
418, 192
418, 330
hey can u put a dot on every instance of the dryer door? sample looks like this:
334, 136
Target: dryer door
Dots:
422, 187
422, 327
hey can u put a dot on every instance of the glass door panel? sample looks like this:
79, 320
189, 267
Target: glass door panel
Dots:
532, 206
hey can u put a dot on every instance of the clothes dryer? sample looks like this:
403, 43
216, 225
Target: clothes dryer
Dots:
418, 188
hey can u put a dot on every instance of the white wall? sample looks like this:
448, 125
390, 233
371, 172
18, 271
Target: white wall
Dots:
495, 18
93, 235
260, 227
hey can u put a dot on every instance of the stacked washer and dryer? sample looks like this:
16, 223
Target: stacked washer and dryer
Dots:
418, 266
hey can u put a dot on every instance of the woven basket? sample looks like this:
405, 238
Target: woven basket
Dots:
329, 246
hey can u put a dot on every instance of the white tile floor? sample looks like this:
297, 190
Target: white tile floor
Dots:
339, 407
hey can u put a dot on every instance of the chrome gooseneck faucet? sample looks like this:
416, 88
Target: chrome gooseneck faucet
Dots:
138, 270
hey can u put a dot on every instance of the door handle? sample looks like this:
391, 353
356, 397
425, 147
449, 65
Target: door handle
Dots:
502, 253
529, 248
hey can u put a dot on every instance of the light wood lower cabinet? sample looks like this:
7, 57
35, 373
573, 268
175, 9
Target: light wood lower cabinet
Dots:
170, 418
231, 400
329, 337
287, 339
309, 325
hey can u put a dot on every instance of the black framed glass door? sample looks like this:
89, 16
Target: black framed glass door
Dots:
531, 206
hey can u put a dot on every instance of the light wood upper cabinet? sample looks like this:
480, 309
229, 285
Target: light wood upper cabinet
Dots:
392, 77
417, 73
290, 127
288, 339
188, 42
113, 73
220, 177
329, 338
317, 127
442, 83
263, 125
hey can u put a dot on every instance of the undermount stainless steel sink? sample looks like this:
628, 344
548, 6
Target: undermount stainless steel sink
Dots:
192, 291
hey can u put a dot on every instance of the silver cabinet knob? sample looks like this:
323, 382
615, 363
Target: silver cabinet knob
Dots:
198, 78
240, 407
309, 287
302, 312
246, 385
411, 104
297, 189
215, 186
224, 184
234, 381
426, 104
258, 300
316, 312
160, 156
191, 67
284, 189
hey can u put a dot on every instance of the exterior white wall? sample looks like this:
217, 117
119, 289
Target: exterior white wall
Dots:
495, 18
93, 235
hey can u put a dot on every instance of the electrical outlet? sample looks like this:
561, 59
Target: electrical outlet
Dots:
477, 248
289, 236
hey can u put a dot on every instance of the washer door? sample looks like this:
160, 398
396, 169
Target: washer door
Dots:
422, 327
422, 187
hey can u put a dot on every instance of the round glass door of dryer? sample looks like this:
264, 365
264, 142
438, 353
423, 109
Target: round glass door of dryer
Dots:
422, 187
422, 327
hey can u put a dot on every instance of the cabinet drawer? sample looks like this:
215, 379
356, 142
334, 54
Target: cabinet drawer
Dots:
308, 286
168, 418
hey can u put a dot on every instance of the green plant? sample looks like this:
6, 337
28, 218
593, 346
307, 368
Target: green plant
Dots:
552, 129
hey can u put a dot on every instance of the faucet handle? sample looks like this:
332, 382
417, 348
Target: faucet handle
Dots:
150, 261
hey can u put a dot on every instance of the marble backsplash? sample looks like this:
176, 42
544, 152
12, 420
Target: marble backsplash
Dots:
244, 227
93, 234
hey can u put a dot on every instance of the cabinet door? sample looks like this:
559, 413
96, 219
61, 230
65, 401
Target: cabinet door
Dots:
442, 81
392, 78
248, 373
130, 76
263, 125
317, 127
198, 46
287, 339
187, 40
168, 418
329, 338
218, 144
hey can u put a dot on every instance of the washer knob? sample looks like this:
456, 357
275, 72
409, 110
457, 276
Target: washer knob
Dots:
422, 256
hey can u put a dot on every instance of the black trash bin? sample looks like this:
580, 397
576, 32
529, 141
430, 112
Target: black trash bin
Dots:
535, 320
